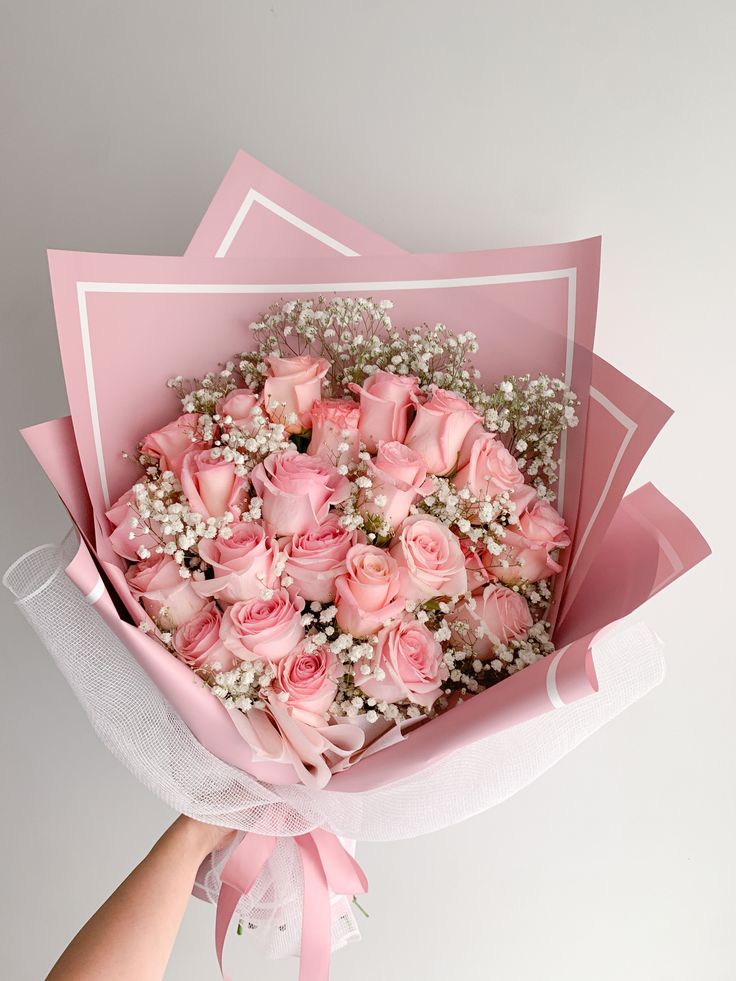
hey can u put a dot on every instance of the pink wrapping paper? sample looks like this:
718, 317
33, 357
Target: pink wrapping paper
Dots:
54, 446
648, 545
106, 305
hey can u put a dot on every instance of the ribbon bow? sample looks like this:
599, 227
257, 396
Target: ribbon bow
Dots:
327, 866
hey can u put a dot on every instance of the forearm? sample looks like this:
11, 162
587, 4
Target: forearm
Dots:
130, 938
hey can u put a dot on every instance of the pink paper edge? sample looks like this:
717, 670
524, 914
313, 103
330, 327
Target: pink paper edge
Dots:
649, 545
245, 175
648, 415
54, 446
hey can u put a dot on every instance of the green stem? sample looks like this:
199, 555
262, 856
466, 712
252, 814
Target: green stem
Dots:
365, 914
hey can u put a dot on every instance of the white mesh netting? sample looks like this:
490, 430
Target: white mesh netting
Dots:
135, 722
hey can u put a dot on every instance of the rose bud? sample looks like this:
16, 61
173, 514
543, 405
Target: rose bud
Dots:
335, 435
292, 387
528, 546
124, 518
439, 430
173, 441
386, 402
399, 478
491, 470
210, 484
239, 405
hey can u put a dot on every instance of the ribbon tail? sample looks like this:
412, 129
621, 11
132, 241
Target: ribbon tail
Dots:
344, 874
238, 878
316, 949
227, 903
327, 865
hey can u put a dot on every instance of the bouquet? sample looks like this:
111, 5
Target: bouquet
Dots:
336, 534
363, 583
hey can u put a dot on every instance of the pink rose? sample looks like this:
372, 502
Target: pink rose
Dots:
522, 497
476, 431
210, 484
243, 564
335, 425
500, 615
239, 405
173, 441
491, 470
406, 664
263, 629
399, 477
122, 516
519, 564
439, 430
297, 491
368, 594
528, 544
316, 558
198, 644
309, 678
166, 597
386, 401
430, 559
542, 524
292, 387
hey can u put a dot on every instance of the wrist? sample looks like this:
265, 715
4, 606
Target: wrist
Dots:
196, 839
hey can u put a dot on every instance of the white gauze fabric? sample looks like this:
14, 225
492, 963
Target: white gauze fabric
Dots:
134, 721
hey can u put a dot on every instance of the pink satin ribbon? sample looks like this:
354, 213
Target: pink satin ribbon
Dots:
327, 866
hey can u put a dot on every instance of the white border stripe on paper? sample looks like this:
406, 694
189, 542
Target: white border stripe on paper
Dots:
630, 426
255, 197
380, 286
569, 359
91, 389
96, 592
552, 689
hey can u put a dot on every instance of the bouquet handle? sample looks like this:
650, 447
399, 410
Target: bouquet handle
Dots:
327, 866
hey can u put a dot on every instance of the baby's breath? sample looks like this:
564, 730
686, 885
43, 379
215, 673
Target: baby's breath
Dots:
357, 338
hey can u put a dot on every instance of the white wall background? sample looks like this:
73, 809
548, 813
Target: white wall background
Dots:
443, 126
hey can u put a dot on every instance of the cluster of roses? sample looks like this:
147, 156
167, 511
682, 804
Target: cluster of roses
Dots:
332, 582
